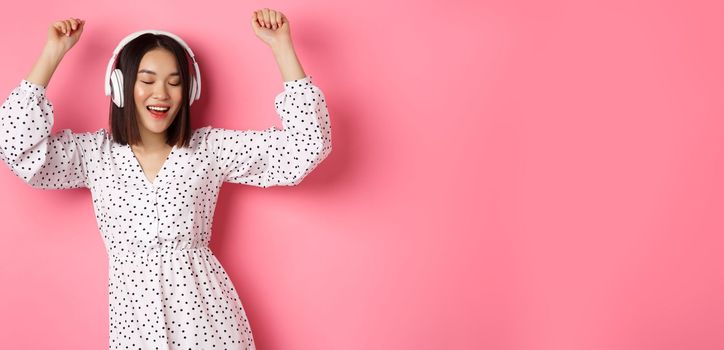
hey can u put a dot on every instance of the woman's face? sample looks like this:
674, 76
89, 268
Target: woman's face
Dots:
158, 84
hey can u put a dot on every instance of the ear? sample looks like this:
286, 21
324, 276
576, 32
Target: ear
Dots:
117, 87
192, 94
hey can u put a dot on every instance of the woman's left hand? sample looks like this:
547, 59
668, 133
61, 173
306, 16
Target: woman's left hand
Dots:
271, 26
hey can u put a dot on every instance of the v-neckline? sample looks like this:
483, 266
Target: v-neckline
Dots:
143, 172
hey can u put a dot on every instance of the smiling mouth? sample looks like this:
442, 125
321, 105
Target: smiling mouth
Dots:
158, 112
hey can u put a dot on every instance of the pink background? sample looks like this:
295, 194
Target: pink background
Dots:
505, 175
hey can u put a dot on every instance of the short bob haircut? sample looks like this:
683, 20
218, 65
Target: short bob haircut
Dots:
124, 127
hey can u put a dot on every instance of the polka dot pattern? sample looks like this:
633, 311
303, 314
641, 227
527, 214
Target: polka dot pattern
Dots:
167, 290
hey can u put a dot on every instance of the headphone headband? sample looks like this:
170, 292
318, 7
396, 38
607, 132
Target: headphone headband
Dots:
134, 35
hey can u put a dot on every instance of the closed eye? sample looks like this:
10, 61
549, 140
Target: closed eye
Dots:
150, 82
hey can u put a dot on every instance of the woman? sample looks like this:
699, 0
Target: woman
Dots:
154, 181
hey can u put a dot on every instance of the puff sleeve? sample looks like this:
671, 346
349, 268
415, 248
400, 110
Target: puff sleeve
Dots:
274, 157
41, 159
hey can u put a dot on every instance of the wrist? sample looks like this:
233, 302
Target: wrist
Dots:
53, 52
282, 47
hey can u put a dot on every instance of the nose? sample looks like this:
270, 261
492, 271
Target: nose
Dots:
160, 92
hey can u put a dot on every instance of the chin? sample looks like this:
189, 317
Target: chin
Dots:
155, 127
157, 130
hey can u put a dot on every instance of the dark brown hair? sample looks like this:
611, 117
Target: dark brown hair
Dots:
124, 127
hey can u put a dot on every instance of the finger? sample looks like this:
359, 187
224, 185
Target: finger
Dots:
283, 19
275, 20
73, 24
68, 26
58, 27
81, 25
64, 27
260, 18
265, 16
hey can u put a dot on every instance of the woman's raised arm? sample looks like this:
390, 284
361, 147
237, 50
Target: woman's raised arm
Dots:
39, 158
62, 36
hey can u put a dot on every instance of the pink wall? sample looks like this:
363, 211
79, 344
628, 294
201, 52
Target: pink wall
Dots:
506, 175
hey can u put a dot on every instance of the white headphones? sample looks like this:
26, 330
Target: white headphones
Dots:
114, 77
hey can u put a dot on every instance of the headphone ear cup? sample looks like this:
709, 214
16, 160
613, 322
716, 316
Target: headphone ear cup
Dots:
117, 87
192, 94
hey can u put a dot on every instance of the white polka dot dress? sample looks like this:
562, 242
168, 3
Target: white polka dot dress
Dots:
166, 288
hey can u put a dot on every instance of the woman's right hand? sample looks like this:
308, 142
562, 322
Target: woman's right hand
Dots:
63, 34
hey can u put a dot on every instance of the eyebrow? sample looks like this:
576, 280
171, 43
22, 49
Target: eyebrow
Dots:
154, 73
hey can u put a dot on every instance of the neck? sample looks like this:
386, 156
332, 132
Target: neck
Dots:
151, 142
